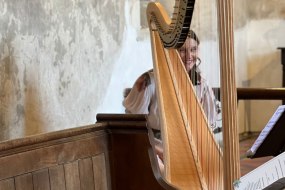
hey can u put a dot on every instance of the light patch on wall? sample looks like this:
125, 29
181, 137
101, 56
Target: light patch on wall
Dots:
3, 8
63, 54
263, 33
264, 9
10, 95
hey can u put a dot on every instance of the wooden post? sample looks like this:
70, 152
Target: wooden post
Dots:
231, 158
283, 67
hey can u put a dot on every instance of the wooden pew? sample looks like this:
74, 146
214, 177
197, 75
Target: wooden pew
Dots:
111, 154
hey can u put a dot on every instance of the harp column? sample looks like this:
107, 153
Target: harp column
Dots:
228, 92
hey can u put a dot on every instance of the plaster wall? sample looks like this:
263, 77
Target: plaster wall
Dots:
259, 31
62, 62
56, 62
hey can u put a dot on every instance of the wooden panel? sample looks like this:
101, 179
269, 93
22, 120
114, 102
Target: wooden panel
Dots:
57, 180
49, 156
108, 170
24, 182
130, 162
86, 174
58, 158
41, 140
41, 180
99, 168
7, 184
72, 176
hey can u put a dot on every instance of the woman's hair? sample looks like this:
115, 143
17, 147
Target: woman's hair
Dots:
191, 34
194, 75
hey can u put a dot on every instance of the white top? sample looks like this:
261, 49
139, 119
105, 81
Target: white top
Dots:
142, 100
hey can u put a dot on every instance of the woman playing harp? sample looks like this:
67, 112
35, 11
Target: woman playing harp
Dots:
142, 98
192, 158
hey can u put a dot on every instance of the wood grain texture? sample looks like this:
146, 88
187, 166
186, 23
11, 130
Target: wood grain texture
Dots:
108, 169
84, 146
231, 160
40, 140
78, 161
7, 184
72, 179
41, 180
130, 163
100, 175
86, 174
57, 179
179, 161
24, 182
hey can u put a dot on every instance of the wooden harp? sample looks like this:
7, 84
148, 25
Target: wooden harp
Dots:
192, 158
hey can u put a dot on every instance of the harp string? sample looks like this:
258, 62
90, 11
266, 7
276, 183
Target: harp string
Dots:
194, 123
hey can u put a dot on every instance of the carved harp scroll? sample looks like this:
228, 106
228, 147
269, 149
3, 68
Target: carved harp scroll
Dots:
192, 158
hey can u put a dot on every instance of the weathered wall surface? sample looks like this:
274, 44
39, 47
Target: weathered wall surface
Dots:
56, 61
62, 62
259, 31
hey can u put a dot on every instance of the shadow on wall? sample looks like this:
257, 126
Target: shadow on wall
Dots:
20, 109
34, 109
266, 72
10, 97
6, 100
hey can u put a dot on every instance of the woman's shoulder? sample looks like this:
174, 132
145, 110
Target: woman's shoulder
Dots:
144, 80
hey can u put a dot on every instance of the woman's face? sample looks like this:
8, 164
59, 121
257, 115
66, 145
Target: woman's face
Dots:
189, 53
